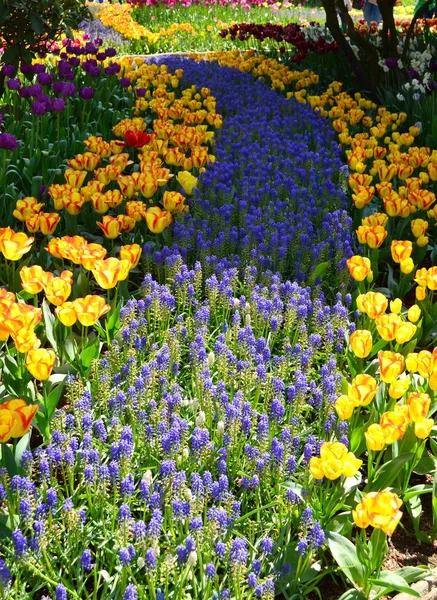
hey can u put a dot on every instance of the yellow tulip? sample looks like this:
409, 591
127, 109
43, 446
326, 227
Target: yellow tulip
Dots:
40, 363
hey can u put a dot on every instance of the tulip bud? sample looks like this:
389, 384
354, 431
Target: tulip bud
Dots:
396, 306
375, 437
414, 313
344, 407
407, 266
398, 388
422, 241
422, 429
420, 293
361, 342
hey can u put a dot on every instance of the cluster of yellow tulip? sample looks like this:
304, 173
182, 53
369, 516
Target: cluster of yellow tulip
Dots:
335, 460
118, 16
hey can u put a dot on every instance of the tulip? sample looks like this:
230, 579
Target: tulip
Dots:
157, 220
372, 236
407, 266
90, 309
411, 362
75, 178
66, 314
374, 304
14, 245
31, 279
174, 202
419, 227
420, 293
40, 363
187, 181
375, 439
361, 342
431, 277
57, 290
136, 210
405, 332
422, 429
136, 139
110, 226
387, 326
400, 250
132, 253
344, 407
363, 389
359, 267
398, 388
127, 223
90, 254
424, 363
127, 185
48, 222
396, 306
419, 406
391, 365
32, 223
88, 161
110, 271
15, 418
73, 202
26, 207
422, 241
421, 277
99, 203
394, 425
380, 510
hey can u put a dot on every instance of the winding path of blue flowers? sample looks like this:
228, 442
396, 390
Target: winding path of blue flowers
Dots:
191, 443
273, 197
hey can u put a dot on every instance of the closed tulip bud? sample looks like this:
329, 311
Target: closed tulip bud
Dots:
407, 266
419, 406
387, 326
414, 313
359, 267
127, 185
316, 469
344, 407
99, 203
187, 181
132, 253
48, 222
32, 224
411, 362
420, 293
90, 309
361, 342
360, 516
398, 388
363, 389
157, 220
40, 363
401, 250
57, 290
110, 226
422, 429
419, 227
75, 178
375, 439
396, 306
66, 314
391, 365
405, 332
422, 241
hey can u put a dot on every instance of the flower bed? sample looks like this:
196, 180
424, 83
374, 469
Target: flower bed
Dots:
239, 424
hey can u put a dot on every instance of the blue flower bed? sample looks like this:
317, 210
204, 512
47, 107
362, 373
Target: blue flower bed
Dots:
274, 197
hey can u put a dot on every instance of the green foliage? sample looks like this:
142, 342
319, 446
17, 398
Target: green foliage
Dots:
27, 26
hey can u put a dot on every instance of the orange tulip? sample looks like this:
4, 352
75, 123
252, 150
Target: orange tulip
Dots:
75, 178
372, 236
419, 406
110, 226
363, 389
401, 250
374, 304
40, 363
380, 510
26, 207
31, 279
57, 290
174, 202
394, 425
48, 222
110, 271
391, 365
387, 325
88, 161
90, 309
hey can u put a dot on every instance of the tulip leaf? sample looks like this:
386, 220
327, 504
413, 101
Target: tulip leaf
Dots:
393, 582
425, 465
21, 446
345, 555
89, 353
417, 490
352, 595
49, 321
8, 460
386, 474
52, 399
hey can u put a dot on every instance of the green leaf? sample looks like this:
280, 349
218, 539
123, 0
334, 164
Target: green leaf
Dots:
345, 555
52, 399
8, 460
417, 490
412, 574
392, 581
386, 474
22, 445
49, 321
426, 465
89, 353
36, 22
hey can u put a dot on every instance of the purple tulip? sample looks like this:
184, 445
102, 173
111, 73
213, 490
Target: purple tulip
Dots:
45, 78
38, 68
125, 82
8, 141
69, 89
13, 84
110, 52
86, 93
35, 90
39, 108
26, 69
58, 87
9, 70
58, 105
24, 92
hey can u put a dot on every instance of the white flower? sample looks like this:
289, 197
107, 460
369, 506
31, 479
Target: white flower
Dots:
400, 64
416, 97
407, 86
400, 97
